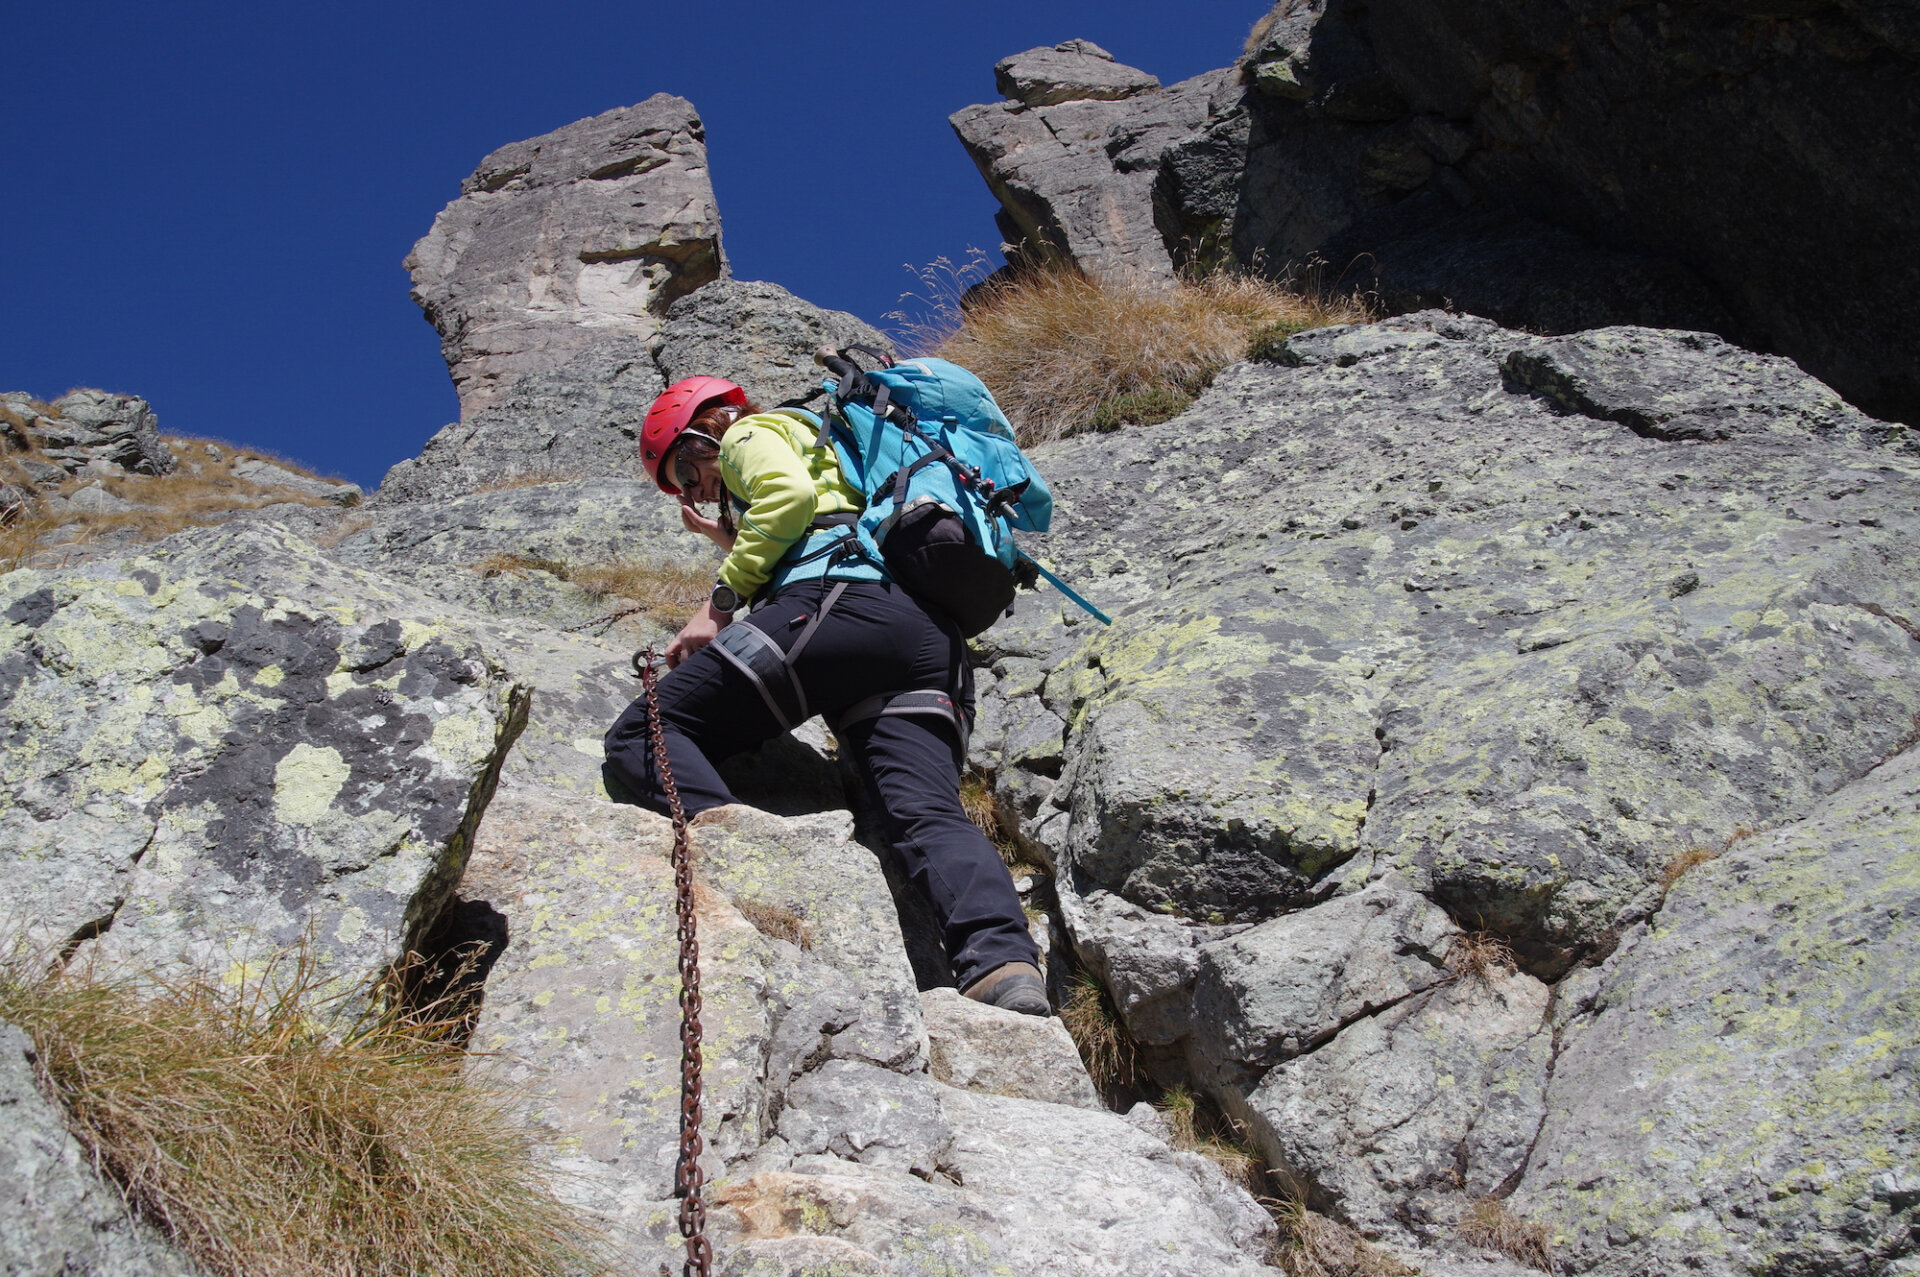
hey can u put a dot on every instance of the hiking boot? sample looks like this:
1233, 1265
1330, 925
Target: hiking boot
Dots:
1015, 986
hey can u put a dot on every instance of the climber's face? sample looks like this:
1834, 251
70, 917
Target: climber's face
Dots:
697, 476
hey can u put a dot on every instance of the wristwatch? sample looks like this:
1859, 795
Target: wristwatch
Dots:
725, 598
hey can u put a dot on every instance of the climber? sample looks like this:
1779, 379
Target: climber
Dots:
828, 633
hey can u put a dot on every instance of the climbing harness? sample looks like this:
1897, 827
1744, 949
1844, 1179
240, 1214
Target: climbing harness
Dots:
687, 1176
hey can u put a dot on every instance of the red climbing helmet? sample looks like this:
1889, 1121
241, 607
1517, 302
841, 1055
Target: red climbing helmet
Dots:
677, 405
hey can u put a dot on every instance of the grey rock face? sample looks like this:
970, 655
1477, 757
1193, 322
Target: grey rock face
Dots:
1735, 1095
583, 418
547, 279
1406, 1116
568, 240
1546, 166
981, 1048
1076, 180
826, 1136
580, 418
1069, 72
1287, 986
1441, 588
268, 475
1497, 623
230, 742
757, 335
56, 1214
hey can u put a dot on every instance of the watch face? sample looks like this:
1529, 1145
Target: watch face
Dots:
725, 598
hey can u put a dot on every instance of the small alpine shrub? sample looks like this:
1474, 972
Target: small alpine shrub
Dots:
776, 922
1690, 858
1491, 1225
1268, 346
1142, 408
976, 799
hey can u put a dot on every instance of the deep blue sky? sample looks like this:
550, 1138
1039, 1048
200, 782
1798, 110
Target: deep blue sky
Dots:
207, 203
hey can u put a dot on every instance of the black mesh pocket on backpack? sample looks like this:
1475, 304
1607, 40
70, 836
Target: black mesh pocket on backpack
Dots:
928, 552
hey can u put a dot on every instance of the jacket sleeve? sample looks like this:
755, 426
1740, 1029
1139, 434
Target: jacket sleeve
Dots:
761, 467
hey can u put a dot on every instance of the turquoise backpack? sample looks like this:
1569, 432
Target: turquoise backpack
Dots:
945, 483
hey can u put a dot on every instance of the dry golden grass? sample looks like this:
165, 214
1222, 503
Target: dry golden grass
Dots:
1198, 1128
528, 479
976, 799
1065, 352
264, 1143
1492, 1225
1311, 1245
674, 586
776, 922
200, 491
1105, 1047
1258, 36
657, 588
1480, 955
520, 565
1688, 858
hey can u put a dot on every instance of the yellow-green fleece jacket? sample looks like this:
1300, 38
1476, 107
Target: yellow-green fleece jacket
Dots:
769, 462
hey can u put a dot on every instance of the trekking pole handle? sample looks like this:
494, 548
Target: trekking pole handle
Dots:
829, 358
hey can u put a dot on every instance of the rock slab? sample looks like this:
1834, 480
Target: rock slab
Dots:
229, 744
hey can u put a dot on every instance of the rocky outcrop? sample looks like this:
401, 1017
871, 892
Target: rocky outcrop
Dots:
1555, 167
758, 335
1075, 177
56, 1214
86, 433
981, 1048
1434, 613
1076, 71
583, 419
572, 242
229, 744
577, 275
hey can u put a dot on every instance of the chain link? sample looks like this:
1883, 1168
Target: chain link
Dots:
688, 1178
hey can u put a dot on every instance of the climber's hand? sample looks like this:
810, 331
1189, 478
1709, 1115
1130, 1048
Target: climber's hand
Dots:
696, 634
693, 521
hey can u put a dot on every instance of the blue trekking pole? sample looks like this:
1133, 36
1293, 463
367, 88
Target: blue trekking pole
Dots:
1067, 590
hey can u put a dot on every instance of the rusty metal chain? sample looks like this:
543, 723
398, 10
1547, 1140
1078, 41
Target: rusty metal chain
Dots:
688, 1178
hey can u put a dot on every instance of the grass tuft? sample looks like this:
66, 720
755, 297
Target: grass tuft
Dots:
656, 587
1480, 955
1065, 352
976, 799
1107, 1049
1492, 1226
1199, 1128
1691, 858
265, 1142
1311, 1245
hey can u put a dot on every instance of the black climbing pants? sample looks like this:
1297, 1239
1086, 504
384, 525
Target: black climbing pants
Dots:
875, 639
